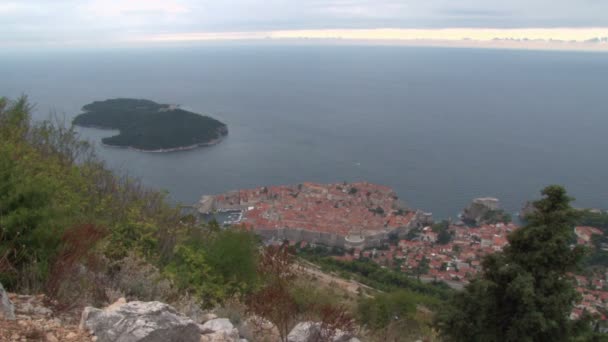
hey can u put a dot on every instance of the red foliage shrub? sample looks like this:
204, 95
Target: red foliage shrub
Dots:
77, 245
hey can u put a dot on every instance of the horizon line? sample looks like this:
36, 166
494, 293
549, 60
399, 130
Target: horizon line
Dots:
551, 38
579, 34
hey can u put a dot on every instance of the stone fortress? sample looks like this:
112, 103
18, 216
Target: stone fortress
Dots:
346, 215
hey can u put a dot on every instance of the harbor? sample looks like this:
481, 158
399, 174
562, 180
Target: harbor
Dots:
223, 217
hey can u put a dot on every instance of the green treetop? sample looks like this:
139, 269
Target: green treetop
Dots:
523, 293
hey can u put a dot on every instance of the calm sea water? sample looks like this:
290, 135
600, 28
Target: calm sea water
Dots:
440, 126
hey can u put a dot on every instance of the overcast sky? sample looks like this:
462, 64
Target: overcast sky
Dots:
78, 21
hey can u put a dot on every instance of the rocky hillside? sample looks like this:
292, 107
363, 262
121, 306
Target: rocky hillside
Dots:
37, 318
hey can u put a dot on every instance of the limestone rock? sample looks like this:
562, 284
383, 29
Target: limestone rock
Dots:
139, 322
189, 306
258, 329
207, 317
50, 337
219, 330
341, 336
217, 324
33, 306
221, 336
7, 310
312, 332
116, 305
305, 332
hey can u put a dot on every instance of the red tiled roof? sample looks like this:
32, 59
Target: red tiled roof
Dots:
316, 207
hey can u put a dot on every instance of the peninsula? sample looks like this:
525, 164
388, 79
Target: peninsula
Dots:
145, 125
347, 215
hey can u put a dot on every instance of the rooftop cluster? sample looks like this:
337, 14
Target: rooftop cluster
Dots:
459, 260
332, 208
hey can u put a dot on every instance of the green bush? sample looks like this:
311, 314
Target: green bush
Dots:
31, 217
378, 312
191, 272
215, 265
372, 274
50, 180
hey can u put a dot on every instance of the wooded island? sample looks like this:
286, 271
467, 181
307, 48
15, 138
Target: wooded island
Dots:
149, 126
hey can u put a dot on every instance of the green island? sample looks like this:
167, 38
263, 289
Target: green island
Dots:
149, 126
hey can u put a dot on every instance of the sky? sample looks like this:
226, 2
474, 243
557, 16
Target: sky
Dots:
115, 22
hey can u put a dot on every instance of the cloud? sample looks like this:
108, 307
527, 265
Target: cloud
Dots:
475, 13
122, 8
107, 21
10, 7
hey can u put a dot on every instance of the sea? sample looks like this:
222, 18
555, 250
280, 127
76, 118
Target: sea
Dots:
440, 126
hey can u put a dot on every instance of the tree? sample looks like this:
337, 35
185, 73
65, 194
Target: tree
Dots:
232, 255
274, 300
29, 233
336, 321
213, 266
412, 234
60, 208
594, 219
394, 316
524, 293
191, 273
422, 268
440, 226
496, 216
444, 237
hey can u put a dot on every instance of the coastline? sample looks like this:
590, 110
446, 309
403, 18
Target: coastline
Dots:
169, 150
222, 135
97, 127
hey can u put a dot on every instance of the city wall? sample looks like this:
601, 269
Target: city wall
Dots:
372, 239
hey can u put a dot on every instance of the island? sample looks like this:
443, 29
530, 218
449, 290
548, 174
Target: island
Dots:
148, 126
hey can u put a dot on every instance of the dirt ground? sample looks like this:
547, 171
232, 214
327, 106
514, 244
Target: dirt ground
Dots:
37, 319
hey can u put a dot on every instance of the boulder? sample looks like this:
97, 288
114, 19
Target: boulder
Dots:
220, 337
217, 324
33, 306
305, 332
189, 306
207, 317
139, 322
312, 332
7, 309
219, 330
342, 336
258, 329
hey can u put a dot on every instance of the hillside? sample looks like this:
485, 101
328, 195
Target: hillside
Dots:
149, 126
85, 237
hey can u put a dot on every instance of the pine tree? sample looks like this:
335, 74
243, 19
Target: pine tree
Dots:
524, 293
